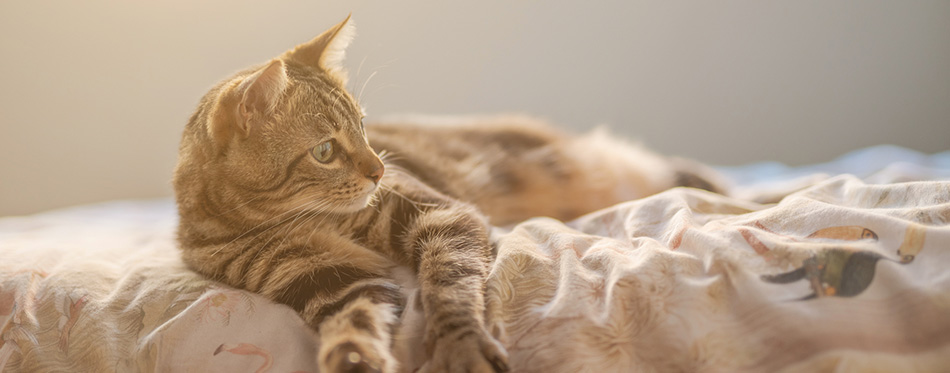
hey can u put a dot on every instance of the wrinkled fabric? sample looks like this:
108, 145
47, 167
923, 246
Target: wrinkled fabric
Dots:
844, 273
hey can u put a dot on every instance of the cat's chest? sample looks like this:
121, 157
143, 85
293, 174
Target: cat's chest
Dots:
369, 230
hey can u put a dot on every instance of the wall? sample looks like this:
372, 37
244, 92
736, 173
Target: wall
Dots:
93, 94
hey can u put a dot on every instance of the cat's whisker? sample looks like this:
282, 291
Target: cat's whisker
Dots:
310, 215
290, 211
387, 64
359, 96
312, 210
324, 215
397, 170
246, 232
389, 216
280, 225
388, 157
380, 88
318, 213
414, 204
360, 67
288, 230
312, 231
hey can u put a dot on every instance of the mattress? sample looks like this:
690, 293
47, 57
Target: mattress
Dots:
842, 265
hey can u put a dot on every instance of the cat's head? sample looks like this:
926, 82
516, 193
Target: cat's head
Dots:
285, 133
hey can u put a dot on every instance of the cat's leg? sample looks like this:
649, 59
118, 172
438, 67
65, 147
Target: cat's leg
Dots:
341, 290
358, 337
450, 244
446, 243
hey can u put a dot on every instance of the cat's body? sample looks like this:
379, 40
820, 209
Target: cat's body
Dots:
515, 167
280, 193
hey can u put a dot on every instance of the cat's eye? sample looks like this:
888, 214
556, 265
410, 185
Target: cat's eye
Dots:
323, 153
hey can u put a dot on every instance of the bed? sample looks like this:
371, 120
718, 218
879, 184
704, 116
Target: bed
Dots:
842, 265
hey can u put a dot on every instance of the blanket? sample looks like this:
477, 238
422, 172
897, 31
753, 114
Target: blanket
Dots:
848, 271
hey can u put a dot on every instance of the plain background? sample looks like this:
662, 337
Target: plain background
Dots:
94, 93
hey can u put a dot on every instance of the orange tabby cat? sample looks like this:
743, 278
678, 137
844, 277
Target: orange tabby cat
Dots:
280, 191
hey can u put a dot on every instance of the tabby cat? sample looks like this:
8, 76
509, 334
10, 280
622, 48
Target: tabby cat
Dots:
280, 192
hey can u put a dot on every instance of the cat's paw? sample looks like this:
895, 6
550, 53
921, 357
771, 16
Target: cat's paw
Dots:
349, 357
467, 352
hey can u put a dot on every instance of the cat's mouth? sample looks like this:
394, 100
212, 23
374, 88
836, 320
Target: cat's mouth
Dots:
367, 198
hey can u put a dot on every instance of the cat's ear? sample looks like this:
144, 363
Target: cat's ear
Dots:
248, 102
259, 94
326, 51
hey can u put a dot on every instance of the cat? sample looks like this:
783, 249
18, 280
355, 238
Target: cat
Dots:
281, 190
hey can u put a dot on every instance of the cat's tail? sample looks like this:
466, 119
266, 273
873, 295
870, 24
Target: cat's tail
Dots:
692, 174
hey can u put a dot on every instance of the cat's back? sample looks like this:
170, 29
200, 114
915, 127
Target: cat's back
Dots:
517, 167
462, 136
474, 159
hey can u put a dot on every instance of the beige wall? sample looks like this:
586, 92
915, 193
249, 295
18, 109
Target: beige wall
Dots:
93, 94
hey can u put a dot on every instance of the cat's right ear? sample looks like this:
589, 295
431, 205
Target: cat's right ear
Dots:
249, 102
326, 51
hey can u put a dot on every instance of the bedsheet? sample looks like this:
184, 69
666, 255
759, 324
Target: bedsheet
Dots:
845, 272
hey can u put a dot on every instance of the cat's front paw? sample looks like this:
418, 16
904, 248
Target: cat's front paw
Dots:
349, 357
467, 352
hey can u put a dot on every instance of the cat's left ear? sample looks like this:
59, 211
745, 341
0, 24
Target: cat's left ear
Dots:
259, 94
326, 51
249, 102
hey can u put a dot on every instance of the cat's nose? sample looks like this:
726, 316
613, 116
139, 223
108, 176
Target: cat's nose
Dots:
376, 172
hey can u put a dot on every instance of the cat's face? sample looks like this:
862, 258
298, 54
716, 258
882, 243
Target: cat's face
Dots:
319, 126
288, 133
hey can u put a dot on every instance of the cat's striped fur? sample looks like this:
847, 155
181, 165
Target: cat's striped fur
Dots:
264, 209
